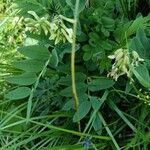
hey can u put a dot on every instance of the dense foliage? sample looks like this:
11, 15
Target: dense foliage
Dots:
74, 74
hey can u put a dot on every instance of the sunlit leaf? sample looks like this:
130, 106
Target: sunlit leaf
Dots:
23, 79
19, 93
35, 52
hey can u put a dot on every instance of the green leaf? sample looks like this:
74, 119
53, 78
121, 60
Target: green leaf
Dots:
129, 28
100, 84
104, 97
142, 74
140, 22
35, 52
95, 103
88, 52
23, 79
82, 111
54, 59
141, 35
19, 93
80, 77
69, 105
141, 44
81, 89
29, 65
108, 23
87, 56
97, 124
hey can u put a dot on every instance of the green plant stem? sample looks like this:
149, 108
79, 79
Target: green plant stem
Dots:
92, 119
52, 127
135, 89
108, 131
135, 4
29, 105
73, 59
122, 3
132, 95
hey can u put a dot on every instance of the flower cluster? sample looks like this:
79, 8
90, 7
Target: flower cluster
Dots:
56, 28
124, 61
37, 24
59, 32
145, 96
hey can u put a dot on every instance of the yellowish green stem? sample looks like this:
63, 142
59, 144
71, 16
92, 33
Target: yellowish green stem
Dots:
73, 58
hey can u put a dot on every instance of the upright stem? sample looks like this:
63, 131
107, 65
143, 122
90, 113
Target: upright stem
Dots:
135, 5
73, 57
122, 3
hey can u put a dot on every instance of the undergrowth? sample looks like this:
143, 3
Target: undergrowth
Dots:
74, 75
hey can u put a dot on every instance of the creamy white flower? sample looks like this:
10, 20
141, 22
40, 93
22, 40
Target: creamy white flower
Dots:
123, 63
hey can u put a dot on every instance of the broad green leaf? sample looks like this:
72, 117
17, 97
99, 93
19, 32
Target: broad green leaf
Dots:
69, 105
82, 97
19, 93
54, 58
64, 49
80, 77
82, 111
140, 22
87, 56
130, 28
142, 74
81, 89
30, 5
23, 79
88, 52
97, 124
35, 52
144, 39
100, 84
141, 44
95, 103
29, 65
108, 22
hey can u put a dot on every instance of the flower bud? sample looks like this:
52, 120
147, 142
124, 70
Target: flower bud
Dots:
135, 55
118, 51
140, 59
111, 56
126, 60
119, 55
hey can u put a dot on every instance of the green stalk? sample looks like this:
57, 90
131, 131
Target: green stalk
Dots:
71, 131
108, 131
73, 58
52, 127
29, 105
135, 4
122, 3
